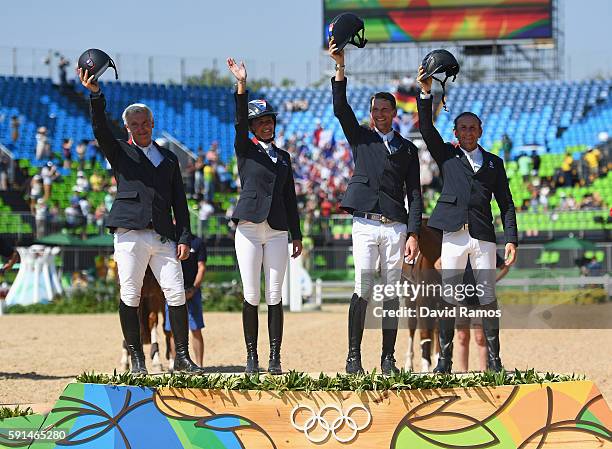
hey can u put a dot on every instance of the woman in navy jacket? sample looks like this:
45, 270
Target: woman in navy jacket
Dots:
266, 212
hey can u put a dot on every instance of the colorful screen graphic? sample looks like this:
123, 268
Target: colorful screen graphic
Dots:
447, 20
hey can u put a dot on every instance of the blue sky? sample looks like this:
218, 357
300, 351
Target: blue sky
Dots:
276, 38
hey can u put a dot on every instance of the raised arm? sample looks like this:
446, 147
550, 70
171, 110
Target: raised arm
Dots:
106, 141
431, 136
241, 97
342, 109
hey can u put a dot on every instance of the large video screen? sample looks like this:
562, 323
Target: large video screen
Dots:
446, 20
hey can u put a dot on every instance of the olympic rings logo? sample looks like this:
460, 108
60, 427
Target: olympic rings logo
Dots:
343, 419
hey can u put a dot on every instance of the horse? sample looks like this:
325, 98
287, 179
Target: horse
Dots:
423, 271
152, 303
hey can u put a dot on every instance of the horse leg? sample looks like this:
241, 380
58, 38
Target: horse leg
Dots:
408, 366
157, 366
426, 336
125, 359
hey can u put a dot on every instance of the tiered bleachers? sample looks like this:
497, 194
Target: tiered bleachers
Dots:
559, 116
534, 112
194, 115
320, 108
38, 103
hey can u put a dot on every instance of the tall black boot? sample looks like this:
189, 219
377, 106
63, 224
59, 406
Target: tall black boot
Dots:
490, 327
446, 335
389, 335
179, 326
131, 333
356, 322
275, 332
250, 326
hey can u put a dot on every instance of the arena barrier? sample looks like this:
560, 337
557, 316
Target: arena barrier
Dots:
550, 415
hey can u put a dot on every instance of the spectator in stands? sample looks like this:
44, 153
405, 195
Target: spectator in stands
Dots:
204, 213
96, 181
67, 152
212, 155
15, 125
99, 215
43, 148
49, 174
4, 171
74, 215
81, 151
93, 153
209, 183
592, 158
566, 203
36, 191
198, 175
594, 267
566, 169
535, 163
62, 67
55, 215
524, 166
41, 217
506, 147
81, 183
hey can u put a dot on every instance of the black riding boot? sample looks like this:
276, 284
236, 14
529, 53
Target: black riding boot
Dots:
179, 326
130, 326
356, 322
446, 335
250, 326
389, 335
275, 332
490, 327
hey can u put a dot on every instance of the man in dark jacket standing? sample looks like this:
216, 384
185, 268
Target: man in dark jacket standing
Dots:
386, 171
149, 189
471, 177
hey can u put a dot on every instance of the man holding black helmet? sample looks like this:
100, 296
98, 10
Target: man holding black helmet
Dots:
471, 177
386, 171
149, 192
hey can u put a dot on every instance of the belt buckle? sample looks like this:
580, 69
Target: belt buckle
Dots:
384, 219
465, 227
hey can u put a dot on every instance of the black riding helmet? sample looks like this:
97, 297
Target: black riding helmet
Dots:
96, 62
261, 108
440, 61
347, 28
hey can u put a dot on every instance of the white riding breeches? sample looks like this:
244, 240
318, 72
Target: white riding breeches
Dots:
374, 241
257, 244
457, 247
134, 250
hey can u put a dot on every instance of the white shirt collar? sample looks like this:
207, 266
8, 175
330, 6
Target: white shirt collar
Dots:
145, 149
386, 137
474, 154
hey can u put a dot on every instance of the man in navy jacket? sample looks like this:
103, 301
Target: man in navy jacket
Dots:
386, 172
471, 177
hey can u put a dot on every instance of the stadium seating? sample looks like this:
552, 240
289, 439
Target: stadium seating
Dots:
556, 117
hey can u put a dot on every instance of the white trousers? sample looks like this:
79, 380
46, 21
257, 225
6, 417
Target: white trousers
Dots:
134, 250
374, 241
457, 247
257, 244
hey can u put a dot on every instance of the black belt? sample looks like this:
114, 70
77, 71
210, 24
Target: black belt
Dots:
150, 225
370, 216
